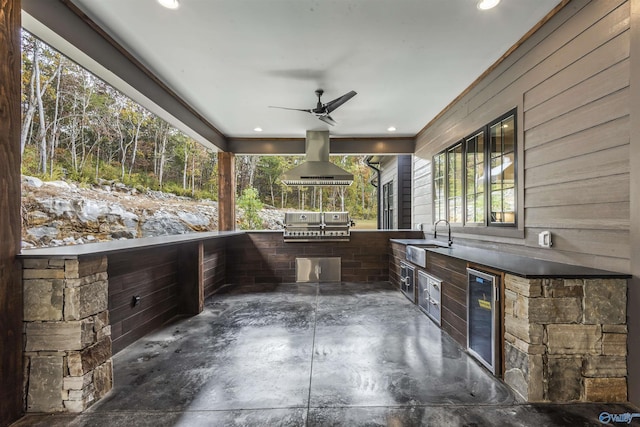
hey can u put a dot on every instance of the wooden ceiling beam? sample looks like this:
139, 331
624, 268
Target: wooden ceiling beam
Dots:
341, 146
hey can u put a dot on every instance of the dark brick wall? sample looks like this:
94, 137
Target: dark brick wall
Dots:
263, 257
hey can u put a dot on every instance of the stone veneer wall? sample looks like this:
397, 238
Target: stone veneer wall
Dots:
68, 362
566, 339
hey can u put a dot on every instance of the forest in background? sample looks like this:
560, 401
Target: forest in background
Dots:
76, 127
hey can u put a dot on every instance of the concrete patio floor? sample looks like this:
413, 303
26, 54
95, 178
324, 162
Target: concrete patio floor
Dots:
315, 355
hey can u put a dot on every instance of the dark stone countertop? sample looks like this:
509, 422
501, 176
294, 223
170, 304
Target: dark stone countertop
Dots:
517, 265
102, 248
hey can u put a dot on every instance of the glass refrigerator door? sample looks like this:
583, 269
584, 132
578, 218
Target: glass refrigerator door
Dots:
481, 318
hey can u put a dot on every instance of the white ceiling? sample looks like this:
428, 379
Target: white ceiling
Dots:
231, 59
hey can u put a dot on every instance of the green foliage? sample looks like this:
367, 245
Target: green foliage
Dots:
141, 180
30, 161
83, 177
205, 195
175, 188
109, 171
250, 203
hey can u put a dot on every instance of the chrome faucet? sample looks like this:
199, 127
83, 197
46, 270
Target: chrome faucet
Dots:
435, 230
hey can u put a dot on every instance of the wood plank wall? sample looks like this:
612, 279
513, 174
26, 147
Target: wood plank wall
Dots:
170, 281
266, 258
150, 274
11, 403
453, 273
570, 83
397, 253
422, 193
214, 266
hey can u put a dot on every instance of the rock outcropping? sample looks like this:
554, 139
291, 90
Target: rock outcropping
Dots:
59, 213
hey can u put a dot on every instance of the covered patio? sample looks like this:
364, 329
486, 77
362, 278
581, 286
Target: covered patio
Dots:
212, 328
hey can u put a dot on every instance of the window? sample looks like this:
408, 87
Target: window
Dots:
439, 186
474, 181
454, 181
503, 196
387, 206
475, 166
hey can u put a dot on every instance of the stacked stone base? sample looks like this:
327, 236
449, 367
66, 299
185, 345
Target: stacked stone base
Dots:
566, 339
67, 334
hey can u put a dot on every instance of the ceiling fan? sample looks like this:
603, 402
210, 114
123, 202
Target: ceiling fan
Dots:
322, 111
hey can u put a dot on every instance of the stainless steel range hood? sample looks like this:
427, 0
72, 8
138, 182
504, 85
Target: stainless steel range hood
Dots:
317, 169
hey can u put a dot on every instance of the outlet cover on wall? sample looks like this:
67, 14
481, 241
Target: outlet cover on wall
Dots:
544, 239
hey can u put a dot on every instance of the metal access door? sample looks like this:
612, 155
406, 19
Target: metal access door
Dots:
407, 278
482, 318
429, 295
318, 269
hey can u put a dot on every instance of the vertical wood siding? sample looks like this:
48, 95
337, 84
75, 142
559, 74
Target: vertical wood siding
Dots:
570, 83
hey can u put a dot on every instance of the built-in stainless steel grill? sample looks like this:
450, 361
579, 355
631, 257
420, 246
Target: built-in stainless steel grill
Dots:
316, 226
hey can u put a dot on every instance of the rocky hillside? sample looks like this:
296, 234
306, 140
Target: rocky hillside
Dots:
59, 213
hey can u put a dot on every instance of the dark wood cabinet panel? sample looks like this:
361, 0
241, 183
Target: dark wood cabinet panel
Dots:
453, 273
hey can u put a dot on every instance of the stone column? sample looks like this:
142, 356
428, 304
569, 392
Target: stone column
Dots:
565, 339
67, 334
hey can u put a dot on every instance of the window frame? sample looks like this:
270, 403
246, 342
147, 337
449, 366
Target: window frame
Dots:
482, 131
486, 224
515, 170
458, 175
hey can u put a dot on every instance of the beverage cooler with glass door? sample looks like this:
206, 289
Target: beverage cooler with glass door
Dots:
483, 322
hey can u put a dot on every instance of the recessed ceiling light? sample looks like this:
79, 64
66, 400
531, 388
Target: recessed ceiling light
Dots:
258, 129
391, 129
169, 4
487, 4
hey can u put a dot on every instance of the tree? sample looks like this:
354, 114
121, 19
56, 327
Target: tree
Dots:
271, 167
37, 91
250, 203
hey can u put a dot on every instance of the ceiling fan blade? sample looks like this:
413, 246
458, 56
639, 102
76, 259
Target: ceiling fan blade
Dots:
332, 105
294, 109
328, 120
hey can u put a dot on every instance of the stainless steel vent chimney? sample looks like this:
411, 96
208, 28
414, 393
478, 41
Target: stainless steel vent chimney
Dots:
317, 169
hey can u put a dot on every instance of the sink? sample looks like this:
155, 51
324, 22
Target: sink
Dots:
417, 254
